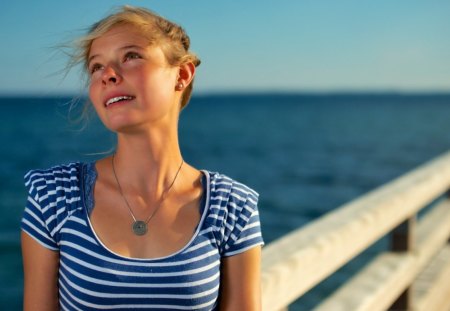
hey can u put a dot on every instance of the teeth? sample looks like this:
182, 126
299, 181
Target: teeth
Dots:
116, 99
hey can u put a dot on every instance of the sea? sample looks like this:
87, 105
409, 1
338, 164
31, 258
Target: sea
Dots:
305, 153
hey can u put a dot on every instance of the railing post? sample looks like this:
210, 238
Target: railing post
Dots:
403, 240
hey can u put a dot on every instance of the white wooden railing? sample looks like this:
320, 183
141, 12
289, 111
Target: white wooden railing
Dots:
413, 275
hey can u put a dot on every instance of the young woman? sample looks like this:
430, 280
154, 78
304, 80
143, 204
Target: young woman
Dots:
140, 229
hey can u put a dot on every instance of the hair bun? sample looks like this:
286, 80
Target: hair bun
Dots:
185, 41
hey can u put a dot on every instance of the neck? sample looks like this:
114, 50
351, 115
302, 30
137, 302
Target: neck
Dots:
147, 163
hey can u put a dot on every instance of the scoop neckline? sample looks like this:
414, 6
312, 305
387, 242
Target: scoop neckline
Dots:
107, 249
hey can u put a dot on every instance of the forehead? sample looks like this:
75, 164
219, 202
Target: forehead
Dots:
118, 36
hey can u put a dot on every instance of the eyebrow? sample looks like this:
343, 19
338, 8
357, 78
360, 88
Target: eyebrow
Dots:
126, 47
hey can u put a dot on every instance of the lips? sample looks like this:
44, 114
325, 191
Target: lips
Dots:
117, 99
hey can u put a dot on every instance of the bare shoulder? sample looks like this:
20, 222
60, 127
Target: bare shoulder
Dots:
191, 179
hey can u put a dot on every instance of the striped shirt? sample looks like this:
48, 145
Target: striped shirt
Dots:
92, 277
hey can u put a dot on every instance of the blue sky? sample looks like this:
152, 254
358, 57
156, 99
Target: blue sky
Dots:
251, 45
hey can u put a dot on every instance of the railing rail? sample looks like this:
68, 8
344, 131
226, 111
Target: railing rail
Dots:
300, 260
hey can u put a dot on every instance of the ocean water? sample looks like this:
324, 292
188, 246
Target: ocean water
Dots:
305, 155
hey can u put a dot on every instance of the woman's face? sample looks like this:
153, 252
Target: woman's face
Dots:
131, 84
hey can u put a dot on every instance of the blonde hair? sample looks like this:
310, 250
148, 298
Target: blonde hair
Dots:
171, 37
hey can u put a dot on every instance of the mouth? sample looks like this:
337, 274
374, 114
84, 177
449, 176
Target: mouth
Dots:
118, 99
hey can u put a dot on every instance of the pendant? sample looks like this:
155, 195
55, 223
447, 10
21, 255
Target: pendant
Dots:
139, 227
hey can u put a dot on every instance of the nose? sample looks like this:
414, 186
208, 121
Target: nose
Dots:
110, 75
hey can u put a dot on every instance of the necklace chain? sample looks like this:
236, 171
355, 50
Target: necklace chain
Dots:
140, 223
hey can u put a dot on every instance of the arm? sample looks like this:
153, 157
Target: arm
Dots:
40, 267
241, 281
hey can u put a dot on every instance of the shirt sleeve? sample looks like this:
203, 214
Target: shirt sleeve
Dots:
242, 224
38, 213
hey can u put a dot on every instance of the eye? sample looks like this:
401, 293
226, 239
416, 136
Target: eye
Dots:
95, 67
131, 55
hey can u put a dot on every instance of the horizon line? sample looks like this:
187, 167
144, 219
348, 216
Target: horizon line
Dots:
306, 92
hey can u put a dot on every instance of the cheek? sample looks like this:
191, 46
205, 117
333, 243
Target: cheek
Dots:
162, 85
92, 91
96, 101
166, 83
94, 95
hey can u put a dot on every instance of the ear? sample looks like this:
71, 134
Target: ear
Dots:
185, 74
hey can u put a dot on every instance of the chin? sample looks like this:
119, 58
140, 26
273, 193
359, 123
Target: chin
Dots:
127, 128
120, 123
122, 128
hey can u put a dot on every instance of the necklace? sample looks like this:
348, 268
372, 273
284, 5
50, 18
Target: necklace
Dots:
140, 227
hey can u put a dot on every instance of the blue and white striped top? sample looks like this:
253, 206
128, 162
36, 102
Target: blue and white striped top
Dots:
93, 277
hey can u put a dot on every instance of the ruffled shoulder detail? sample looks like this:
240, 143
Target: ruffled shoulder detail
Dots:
233, 215
53, 195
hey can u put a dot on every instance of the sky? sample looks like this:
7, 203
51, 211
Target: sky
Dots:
250, 46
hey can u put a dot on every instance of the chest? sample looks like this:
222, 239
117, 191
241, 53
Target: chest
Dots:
166, 233
169, 226
91, 276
